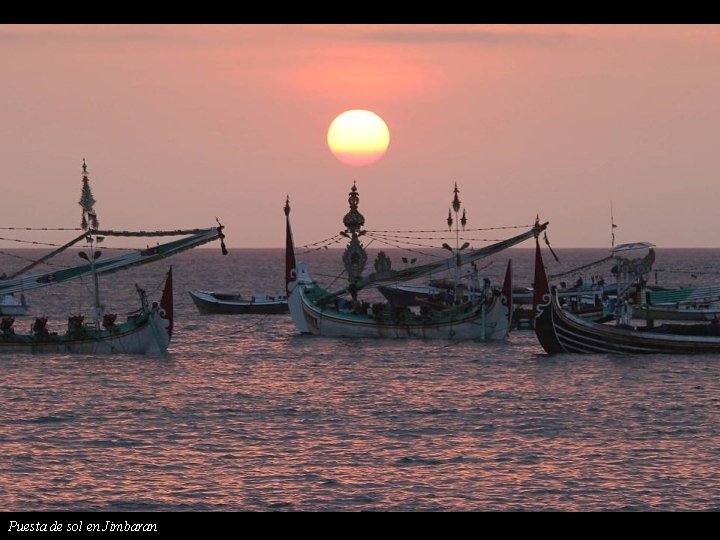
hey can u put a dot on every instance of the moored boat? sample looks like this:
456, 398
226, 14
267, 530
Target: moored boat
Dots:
147, 330
343, 313
10, 305
221, 303
560, 331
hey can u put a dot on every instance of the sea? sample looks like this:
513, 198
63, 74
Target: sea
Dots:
245, 414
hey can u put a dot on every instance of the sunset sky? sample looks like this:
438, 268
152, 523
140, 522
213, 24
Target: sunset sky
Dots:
183, 123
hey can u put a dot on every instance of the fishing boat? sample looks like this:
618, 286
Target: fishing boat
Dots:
685, 304
342, 313
222, 303
146, 330
11, 305
560, 331
678, 312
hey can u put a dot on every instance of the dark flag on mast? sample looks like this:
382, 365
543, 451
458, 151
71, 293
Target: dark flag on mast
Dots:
290, 264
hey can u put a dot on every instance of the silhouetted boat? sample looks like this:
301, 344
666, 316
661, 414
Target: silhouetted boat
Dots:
318, 311
209, 303
147, 330
560, 331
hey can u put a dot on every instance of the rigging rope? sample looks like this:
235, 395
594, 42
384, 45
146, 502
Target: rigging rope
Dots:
320, 247
31, 260
178, 232
48, 256
445, 231
40, 229
28, 242
436, 238
550, 247
333, 237
580, 268
381, 238
408, 249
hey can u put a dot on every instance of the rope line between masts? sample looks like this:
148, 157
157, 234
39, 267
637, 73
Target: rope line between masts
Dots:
464, 238
445, 230
48, 256
387, 243
328, 240
40, 229
34, 242
325, 246
178, 232
32, 260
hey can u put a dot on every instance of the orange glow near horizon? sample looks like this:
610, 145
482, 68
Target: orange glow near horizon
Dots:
227, 119
358, 137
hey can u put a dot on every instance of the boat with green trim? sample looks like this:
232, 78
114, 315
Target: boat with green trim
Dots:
147, 330
485, 316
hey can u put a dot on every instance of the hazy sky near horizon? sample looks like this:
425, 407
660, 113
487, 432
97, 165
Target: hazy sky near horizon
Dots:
183, 123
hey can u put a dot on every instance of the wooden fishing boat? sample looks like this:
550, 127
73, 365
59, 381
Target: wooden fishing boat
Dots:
700, 303
315, 310
221, 303
147, 330
560, 331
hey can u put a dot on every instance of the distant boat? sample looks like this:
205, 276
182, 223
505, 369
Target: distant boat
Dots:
209, 303
687, 304
10, 305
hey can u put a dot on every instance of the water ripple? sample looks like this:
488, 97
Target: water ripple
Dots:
248, 415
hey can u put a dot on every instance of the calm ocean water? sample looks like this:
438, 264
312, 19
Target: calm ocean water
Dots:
245, 414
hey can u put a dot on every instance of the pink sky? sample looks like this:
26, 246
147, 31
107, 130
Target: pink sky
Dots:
182, 123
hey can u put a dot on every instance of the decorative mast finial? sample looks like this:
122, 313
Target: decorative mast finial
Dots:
462, 221
354, 257
87, 202
354, 220
456, 199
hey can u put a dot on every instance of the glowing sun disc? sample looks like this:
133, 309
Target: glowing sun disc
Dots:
358, 137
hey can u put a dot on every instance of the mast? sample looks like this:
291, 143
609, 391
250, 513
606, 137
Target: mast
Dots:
612, 226
89, 223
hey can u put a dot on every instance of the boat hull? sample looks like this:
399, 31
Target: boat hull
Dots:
137, 336
661, 313
13, 311
562, 332
146, 331
466, 324
207, 304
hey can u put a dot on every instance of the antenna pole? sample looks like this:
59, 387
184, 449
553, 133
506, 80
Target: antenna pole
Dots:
612, 225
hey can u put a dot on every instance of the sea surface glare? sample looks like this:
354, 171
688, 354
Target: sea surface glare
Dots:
243, 413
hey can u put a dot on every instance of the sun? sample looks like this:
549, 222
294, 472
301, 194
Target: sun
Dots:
358, 137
